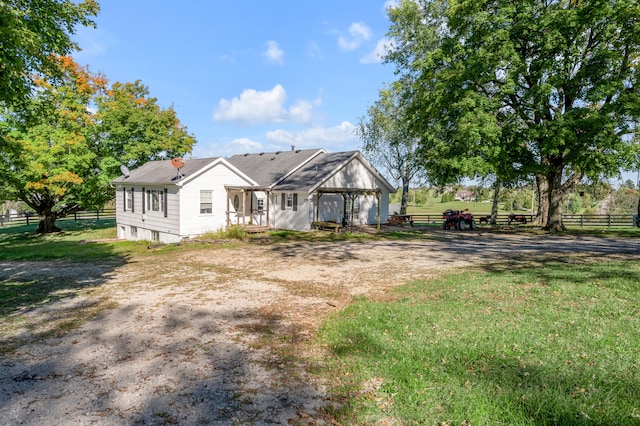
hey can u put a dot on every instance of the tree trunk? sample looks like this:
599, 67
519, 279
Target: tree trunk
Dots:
542, 213
405, 195
555, 197
47, 223
638, 212
494, 206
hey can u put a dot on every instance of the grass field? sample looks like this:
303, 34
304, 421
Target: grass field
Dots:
552, 345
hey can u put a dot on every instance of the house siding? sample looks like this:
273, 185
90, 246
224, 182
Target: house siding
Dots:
167, 227
194, 223
356, 175
299, 219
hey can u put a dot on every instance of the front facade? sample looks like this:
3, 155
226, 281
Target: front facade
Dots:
285, 190
158, 202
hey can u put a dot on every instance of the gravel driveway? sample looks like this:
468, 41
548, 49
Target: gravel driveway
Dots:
204, 336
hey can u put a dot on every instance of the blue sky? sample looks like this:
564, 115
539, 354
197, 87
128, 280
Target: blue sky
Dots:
248, 75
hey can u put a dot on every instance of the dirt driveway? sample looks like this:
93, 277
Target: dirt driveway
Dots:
208, 336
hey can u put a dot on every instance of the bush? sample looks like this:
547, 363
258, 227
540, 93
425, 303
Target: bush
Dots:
232, 232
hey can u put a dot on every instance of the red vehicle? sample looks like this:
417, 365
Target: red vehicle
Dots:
458, 219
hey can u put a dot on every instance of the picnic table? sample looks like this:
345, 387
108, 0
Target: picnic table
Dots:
334, 226
400, 219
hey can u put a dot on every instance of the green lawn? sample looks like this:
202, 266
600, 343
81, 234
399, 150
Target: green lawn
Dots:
510, 346
552, 343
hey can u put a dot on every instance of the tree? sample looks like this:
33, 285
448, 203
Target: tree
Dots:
534, 88
388, 143
60, 156
33, 32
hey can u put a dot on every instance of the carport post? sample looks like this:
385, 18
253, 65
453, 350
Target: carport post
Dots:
379, 197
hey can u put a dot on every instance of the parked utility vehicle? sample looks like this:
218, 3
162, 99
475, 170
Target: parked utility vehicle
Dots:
458, 219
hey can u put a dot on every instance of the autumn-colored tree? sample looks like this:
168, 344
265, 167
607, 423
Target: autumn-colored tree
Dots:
60, 156
32, 33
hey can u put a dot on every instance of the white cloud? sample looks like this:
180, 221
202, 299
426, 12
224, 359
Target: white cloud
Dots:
273, 53
246, 144
338, 136
358, 33
254, 106
381, 50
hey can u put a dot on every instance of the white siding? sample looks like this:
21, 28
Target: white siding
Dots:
356, 175
167, 227
353, 175
194, 223
297, 220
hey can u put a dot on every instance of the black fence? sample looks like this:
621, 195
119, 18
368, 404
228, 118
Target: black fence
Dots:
569, 220
30, 219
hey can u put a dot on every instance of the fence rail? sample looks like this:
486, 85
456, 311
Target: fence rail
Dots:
419, 219
29, 219
569, 220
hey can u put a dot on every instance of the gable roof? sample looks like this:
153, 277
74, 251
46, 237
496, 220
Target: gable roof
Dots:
319, 169
299, 170
322, 167
269, 168
163, 173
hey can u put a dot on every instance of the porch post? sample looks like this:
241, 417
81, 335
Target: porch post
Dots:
344, 208
244, 204
228, 206
379, 197
268, 194
251, 207
318, 195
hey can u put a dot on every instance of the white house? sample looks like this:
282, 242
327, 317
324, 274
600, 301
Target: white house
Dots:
285, 190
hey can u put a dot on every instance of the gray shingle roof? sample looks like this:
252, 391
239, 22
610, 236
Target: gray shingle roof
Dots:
268, 168
315, 171
162, 172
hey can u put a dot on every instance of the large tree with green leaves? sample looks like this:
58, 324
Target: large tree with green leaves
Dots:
387, 141
544, 88
32, 34
65, 146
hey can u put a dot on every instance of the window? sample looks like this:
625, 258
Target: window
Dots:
206, 202
128, 202
155, 236
260, 204
289, 202
156, 200
236, 202
133, 230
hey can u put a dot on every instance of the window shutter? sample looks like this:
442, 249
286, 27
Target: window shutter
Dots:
133, 200
165, 201
124, 199
283, 203
143, 206
295, 202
